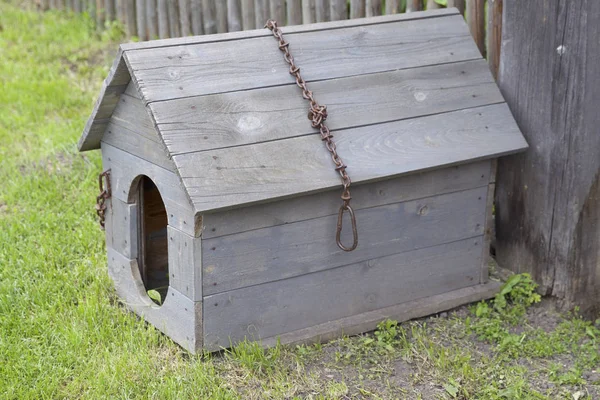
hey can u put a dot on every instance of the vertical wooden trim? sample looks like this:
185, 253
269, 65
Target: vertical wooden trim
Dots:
262, 12
196, 16
163, 19
460, 4
357, 8
476, 21
392, 7
373, 8
321, 11
294, 12
494, 34
338, 10
413, 5
308, 11
221, 15
234, 16
151, 19
248, 15
208, 16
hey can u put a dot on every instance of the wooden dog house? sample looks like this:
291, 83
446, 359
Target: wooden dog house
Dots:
224, 198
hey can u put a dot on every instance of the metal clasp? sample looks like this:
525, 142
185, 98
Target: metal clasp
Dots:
346, 207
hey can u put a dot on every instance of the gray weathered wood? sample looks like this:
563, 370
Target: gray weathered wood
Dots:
100, 13
249, 174
487, 233
184, 17
261, 8
357, 8
121, 13
308, 11
126, 168
322, 12
130, 19
476, 21
221, 15
368, 321
392, 6
185, 257
173, 10
422, 44
151, 19
232, 119
163, 19
254, 257
265, 310
234, 16
196, 16
460, 4
179, 317
373, 8
110, 10
414, 5
277, 11
410, 187
432, 4
294, 12
121, 227
338, 10
142, 29
548, 199
209, 16
248, 14
494, 34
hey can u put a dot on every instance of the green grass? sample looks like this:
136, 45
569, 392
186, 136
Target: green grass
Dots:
64, 334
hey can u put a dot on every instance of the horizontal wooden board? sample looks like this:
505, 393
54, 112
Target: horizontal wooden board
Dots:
409, 187
280, 252
292, 304
254, 116
268, 171
126, 167
200, 69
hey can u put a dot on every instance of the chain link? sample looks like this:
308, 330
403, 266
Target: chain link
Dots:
104, 185
317, 114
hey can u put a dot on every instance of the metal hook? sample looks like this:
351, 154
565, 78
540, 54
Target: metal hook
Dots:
338, 233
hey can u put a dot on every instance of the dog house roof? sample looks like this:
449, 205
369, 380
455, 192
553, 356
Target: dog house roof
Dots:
405, 93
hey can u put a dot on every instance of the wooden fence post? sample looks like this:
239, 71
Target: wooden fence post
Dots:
548, 199
321, 10
110, 10
234, 16
414, 5
338, 10
392, 7
308, 11
163, 19
151, 19
373, 8
184, 17
357, 8
294, 12
262, 12
248, 15
196, 16
476, 21
494, 33
221, 15
208, 16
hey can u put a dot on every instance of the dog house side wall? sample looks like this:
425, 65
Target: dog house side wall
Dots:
274, 270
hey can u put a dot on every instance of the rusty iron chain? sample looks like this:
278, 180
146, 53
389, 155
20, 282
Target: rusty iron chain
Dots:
104, 186
317, 114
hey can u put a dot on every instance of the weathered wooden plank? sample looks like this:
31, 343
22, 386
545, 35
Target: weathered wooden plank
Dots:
459, 4
173, 10
163, 19
487, 233
414, 5
548, 199
308, 11
109, 101
254, 257
132, 91
494, 34
185, 257
406, 188
186, 68
234, 16
232, 119
184, 17
373, 8
130, 19
294, 12
368, 321
392, 6
338, 10
121, 227
221, 15
261, 8
476, 21
179, 317
140, 13
249, 174
120, 12
322, 12
126, 168
196, 16
277, 11
279, 307
289, 30
248, 14
151, 19
209, 16
357, 8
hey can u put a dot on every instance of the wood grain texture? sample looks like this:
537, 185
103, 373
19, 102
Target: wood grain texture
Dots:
239, 118
338, 10
283, 251
126, 170
308, 11
322, 10
122, 227
173, 10
292, 304
174, 72
185, 258
410, 187
163, 18
140, 15
179, 317
294, 12
476, 21
261, 8
548, 199
357, 8
196, 17
130, 18
373, 8
249, 174
184, 17
221, 15
368, 321
277, 11
248, 14
494, 34
209, 17
234, 15
152, 19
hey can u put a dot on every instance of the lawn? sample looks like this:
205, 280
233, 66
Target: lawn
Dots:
64, 334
